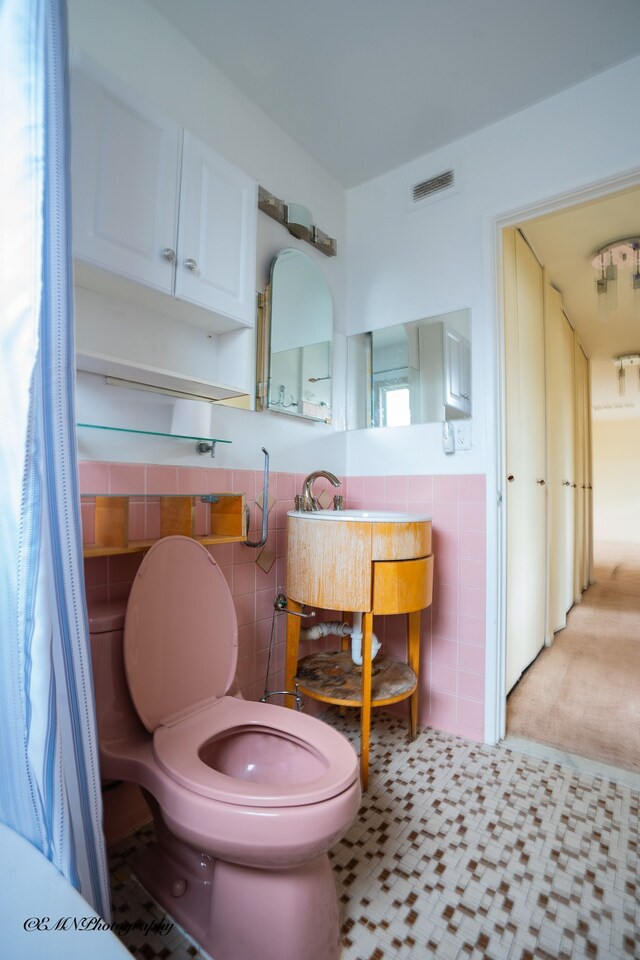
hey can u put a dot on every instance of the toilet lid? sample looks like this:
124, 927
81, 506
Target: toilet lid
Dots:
180, 632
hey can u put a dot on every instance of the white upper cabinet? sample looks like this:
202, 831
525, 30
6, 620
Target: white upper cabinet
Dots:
216, 233
153, 204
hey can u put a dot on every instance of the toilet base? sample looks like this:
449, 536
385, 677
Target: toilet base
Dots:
241, 913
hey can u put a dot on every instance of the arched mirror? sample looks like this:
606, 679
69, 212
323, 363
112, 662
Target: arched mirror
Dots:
294, 359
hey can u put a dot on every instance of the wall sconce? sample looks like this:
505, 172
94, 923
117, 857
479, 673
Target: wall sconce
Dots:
608, 260
623, 363
298, 220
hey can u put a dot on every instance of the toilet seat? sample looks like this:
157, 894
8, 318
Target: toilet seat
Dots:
334, 762
180, 632
180, 653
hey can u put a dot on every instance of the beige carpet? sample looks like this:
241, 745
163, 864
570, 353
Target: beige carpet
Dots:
582, 694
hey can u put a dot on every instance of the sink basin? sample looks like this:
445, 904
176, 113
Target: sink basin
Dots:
368, 516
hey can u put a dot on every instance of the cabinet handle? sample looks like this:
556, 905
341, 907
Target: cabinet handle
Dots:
511, 478
191, 264
540, 482
566, 483
169, 254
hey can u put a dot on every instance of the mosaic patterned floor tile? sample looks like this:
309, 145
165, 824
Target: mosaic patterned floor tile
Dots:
463, 851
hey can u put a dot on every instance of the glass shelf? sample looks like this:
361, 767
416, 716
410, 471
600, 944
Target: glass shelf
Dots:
203, 444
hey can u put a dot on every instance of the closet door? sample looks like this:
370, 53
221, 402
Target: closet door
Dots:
589, 474
560, 459
580, 487
525, 486
585, 558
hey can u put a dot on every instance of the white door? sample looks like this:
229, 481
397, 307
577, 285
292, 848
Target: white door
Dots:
125, 161
560, 458
216, 234
525, 405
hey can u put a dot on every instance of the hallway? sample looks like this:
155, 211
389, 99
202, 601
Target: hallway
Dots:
582, 694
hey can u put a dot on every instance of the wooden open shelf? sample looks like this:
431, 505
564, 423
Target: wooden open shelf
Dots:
177, 518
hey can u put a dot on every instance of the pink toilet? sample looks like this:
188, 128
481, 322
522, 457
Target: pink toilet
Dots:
247, 798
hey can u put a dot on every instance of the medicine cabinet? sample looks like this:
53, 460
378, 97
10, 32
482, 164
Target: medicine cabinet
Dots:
295, 339
416, 372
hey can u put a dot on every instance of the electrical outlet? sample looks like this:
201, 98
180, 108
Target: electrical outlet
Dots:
461, 434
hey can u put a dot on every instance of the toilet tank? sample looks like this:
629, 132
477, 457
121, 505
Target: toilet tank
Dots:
115, 713
124, 808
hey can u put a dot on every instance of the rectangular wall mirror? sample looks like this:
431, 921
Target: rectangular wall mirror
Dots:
416, 372
294, 356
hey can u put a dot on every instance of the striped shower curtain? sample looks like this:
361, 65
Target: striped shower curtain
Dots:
49, 781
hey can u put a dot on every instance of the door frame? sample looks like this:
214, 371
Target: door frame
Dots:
496, 640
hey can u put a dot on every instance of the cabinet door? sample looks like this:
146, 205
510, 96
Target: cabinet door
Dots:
457, 372
216, 234
125, 167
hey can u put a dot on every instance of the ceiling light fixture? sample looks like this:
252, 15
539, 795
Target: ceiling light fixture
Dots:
608, 260
623, 363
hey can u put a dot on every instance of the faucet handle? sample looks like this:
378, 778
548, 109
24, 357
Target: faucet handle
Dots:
338, 502
297, 502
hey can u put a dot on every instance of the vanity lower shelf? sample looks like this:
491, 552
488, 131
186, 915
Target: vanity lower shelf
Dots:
332, 677
224, 517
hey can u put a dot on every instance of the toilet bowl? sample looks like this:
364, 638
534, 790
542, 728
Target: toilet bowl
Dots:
247, 797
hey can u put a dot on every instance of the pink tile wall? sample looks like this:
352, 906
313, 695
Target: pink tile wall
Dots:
453, 629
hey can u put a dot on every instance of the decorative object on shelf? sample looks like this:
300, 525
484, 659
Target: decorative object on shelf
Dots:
623, 363
298, 220
203, 444
618, 255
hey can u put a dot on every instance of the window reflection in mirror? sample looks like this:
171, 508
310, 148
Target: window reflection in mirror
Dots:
416, 372
297, 338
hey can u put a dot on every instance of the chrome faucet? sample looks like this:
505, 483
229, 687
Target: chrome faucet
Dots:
307, 499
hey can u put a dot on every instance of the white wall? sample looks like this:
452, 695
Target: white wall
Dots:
616, 488
132, 40
441, 257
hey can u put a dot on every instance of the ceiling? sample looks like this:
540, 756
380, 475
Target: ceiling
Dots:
367, 85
